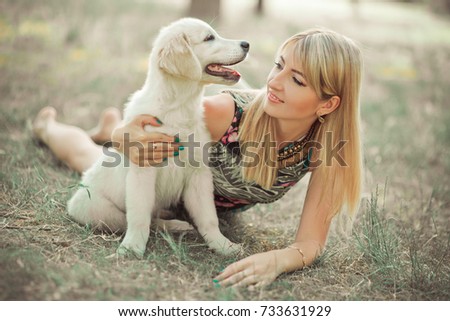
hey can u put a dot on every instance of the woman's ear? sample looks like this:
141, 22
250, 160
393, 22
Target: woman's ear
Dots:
329, 105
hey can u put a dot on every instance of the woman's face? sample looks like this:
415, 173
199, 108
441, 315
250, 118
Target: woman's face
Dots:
289, 96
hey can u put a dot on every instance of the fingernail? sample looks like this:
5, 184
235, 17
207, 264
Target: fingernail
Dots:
215, 281
177, 139
164, 159
176, 153
181, 147
158, 121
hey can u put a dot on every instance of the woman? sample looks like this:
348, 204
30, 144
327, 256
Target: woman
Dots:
305, 120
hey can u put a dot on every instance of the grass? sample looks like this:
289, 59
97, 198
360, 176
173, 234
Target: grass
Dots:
82, 56
377, 241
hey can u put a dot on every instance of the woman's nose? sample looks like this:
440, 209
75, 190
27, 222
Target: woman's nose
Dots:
275, 82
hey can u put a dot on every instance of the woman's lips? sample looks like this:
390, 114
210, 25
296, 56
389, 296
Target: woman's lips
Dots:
273, 98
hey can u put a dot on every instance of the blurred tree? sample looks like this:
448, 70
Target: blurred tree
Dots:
260, 7
438, 6
355, 8
441, 6
208, 10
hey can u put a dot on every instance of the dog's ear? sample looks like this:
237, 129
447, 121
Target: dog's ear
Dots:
178, 59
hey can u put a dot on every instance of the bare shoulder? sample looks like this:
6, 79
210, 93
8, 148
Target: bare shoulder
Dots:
219, 112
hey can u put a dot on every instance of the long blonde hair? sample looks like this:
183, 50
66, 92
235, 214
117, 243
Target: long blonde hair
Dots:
332, 65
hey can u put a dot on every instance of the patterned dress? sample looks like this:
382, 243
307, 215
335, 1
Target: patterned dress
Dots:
231, 192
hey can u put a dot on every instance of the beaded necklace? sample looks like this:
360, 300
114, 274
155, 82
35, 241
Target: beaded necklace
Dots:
297, 146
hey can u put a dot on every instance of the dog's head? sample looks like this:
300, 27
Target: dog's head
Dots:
190, 48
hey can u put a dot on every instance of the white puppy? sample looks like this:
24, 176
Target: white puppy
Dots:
187, 55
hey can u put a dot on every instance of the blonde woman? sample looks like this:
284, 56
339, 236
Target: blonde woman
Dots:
305, 120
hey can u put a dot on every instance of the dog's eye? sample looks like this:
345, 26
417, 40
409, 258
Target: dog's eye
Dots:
209, 38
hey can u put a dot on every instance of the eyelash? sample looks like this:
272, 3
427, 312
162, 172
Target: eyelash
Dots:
298, 82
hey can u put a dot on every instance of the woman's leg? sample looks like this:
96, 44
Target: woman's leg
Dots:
109, 119
71, 144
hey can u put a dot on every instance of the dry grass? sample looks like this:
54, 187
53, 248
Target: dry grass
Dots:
82, 56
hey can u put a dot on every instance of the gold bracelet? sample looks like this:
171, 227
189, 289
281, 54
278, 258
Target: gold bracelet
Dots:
301, 253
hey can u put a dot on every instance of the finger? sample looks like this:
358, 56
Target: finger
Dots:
153, 150
252, 281
143, 120
164, 147
155, 154
246, 281
230, 270
159, 137
236, 278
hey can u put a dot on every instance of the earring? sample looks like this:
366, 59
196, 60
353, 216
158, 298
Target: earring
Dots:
320, 118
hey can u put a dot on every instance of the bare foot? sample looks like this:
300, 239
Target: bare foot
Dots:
46, 116
109, 119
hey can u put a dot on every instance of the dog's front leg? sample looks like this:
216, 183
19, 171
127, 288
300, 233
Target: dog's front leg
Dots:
199, 202
140, 200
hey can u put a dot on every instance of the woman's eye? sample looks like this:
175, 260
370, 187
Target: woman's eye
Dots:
278, 65
298, 82
209, 38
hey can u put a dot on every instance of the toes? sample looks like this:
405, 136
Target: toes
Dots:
109, 119
43, 118
47, 111
110, 116
45, 115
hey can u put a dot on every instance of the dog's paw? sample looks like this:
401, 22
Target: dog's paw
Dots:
128, 252
226, 248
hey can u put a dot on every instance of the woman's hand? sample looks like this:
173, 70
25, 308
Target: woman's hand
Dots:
255, 270
141, 147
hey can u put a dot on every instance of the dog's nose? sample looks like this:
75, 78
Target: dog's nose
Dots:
245, 45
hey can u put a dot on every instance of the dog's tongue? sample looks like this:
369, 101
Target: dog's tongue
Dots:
221, 69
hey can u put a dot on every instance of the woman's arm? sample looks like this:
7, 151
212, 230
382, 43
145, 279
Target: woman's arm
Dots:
219, 113
313, 228
132, 140
263, 268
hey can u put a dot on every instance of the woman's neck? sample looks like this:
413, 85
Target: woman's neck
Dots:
287, 131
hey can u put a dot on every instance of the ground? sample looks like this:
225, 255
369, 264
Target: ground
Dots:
83, 56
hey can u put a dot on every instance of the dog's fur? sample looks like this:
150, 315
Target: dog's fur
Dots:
172, 91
